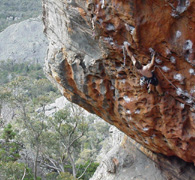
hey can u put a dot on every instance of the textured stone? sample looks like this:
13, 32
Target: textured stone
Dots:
51, 109
126, 159
86, 58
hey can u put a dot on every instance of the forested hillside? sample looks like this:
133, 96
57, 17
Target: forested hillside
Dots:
35, 146
14, 11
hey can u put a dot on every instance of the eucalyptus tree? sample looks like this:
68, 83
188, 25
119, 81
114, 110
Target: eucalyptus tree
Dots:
62, 147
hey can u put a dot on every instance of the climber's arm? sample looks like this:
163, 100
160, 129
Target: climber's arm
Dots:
130, 54
151, 64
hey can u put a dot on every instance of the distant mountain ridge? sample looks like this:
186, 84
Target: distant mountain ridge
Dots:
24, 41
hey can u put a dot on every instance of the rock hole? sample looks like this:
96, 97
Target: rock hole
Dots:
128, 111
182, 6
101, 67
179, 143
117, 64
120, 108
94, 85
137, 111
120, 99
122, 75
144, 101
110, 27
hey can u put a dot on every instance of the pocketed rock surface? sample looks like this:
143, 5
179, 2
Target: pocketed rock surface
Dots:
87, 60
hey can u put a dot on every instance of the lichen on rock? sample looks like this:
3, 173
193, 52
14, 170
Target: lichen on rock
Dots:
86, 60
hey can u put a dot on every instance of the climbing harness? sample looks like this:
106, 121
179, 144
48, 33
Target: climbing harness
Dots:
142, 81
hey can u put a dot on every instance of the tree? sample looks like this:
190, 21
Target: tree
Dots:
8, 133
9, 150
14, 170
4, 96
26, 89
33, 125
61, 176
66, 129
9, 154
24, 99
86, 170
65, 144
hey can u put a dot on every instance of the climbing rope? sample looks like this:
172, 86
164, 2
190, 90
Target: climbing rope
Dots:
188, 95
124, 55
165, 77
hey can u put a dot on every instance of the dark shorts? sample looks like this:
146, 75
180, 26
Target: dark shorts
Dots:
153, 80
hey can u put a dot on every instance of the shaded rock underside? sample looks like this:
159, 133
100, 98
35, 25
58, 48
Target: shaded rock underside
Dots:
86, 58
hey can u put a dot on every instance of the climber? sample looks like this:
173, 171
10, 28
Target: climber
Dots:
148, 75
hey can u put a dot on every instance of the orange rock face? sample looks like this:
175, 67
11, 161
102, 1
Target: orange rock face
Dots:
87, 59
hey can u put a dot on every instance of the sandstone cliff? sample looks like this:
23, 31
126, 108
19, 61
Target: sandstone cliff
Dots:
86, 58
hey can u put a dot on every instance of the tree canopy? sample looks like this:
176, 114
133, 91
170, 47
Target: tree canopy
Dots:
64, 145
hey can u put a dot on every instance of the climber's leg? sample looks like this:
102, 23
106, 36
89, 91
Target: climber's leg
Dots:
159, 90
150, 88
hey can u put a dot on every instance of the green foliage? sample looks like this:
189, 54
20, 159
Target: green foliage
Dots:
8, 133
9, 154
9, 150
51, 176
25, 87
14, 170
65, 176
5, 93
89, 172
14, 11
64, 133
67, 127
25, 83
10, 70
62, 176
69, 135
